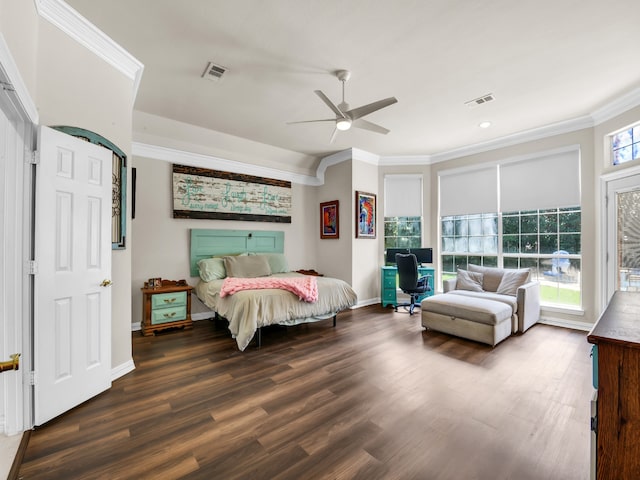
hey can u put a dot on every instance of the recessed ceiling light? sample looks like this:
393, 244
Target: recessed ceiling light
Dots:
484, 124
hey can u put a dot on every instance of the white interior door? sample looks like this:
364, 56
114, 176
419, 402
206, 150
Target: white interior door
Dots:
623, 235
72, 318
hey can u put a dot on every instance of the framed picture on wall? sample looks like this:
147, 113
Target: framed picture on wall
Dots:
329, 219
365, 215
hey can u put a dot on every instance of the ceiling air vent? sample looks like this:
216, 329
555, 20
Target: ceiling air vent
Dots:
480, 100
214, 72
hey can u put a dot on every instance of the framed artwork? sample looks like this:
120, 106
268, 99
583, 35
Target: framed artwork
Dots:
329, 219
365, 215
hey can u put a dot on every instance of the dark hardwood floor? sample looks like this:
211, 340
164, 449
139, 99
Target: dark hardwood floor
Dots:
377, 397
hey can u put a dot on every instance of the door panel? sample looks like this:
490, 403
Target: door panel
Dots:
72, 321
623, 235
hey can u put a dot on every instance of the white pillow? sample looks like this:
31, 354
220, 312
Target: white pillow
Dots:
471, 281
247, 266
211, 269
512, 280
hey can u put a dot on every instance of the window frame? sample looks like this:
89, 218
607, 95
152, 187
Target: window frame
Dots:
454, 258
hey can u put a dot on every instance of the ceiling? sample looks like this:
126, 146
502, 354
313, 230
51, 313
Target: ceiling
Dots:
545, 62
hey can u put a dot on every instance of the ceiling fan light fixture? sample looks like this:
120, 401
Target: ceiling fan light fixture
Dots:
343, 124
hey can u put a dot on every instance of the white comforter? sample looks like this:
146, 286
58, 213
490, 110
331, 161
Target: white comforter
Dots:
248, 310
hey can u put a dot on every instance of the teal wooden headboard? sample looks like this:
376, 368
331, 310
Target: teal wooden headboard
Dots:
208, 243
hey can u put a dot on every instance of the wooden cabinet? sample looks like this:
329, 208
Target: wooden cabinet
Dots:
617, 424
389, 284
166, 306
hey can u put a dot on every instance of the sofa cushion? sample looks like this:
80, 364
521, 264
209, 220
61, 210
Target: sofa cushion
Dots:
492, 276
471, 281
512, 280
496, 297
468, 307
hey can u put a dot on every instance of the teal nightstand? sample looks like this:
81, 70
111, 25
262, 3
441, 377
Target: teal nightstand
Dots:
168, 306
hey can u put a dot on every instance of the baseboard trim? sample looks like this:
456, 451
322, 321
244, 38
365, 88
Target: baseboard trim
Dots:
122, 370
366, 303
202, 316
572, 324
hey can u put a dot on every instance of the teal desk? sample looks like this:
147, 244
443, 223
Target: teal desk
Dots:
389, 284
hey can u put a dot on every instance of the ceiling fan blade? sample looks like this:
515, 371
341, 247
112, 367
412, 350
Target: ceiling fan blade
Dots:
330, 104
313, 121
359, 112
364, 124
333, 135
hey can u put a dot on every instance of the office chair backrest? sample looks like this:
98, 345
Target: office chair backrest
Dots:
407, 270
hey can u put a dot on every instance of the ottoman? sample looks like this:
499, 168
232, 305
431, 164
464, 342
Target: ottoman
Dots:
478, 319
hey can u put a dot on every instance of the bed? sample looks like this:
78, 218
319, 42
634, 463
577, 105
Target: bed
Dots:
256, 257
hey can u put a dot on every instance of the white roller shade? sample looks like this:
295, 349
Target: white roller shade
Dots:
403, 195
552, 181
469, 192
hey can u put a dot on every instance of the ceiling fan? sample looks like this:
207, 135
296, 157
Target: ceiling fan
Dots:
345, 118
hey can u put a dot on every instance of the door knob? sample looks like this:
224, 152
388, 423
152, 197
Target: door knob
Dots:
106, 283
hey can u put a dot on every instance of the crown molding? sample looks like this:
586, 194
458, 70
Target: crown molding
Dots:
84, 32
182, 157
616, 107
406, 160
612, 109
363, 156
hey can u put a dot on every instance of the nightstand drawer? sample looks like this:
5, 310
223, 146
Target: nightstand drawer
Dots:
390, 282
169, 314
173, 299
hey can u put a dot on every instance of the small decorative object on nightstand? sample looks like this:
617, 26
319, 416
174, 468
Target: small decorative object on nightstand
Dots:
165, 304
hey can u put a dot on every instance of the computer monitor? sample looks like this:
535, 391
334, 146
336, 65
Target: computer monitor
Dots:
391, 254
423, 255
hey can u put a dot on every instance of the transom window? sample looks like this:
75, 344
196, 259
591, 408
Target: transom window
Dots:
625, 145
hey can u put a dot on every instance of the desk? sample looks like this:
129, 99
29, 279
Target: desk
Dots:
389, 284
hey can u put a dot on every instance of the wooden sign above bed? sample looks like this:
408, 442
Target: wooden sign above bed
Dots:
204, 193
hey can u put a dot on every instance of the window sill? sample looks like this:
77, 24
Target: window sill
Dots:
568, 310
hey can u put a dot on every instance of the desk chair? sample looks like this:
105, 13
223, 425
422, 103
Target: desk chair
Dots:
409, 281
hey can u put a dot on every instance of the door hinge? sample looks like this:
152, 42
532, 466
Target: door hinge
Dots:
594, 424
32, 267
32, 378
34, 158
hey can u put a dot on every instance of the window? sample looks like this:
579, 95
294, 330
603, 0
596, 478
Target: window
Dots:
625, 145
517, 213
402, 232
548, 242
469, 239
403, 211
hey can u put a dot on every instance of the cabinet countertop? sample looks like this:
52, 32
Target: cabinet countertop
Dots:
619, 322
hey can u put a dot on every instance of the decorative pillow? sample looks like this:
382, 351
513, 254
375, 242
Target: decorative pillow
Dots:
277, 262
491, 276
471, 281
250, 266
211, 269
512, 280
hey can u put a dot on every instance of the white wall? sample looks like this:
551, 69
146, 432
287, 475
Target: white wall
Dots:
334, 255
365, 251
161, 243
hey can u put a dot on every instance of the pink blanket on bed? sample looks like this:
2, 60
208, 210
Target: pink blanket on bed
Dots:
306, 287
